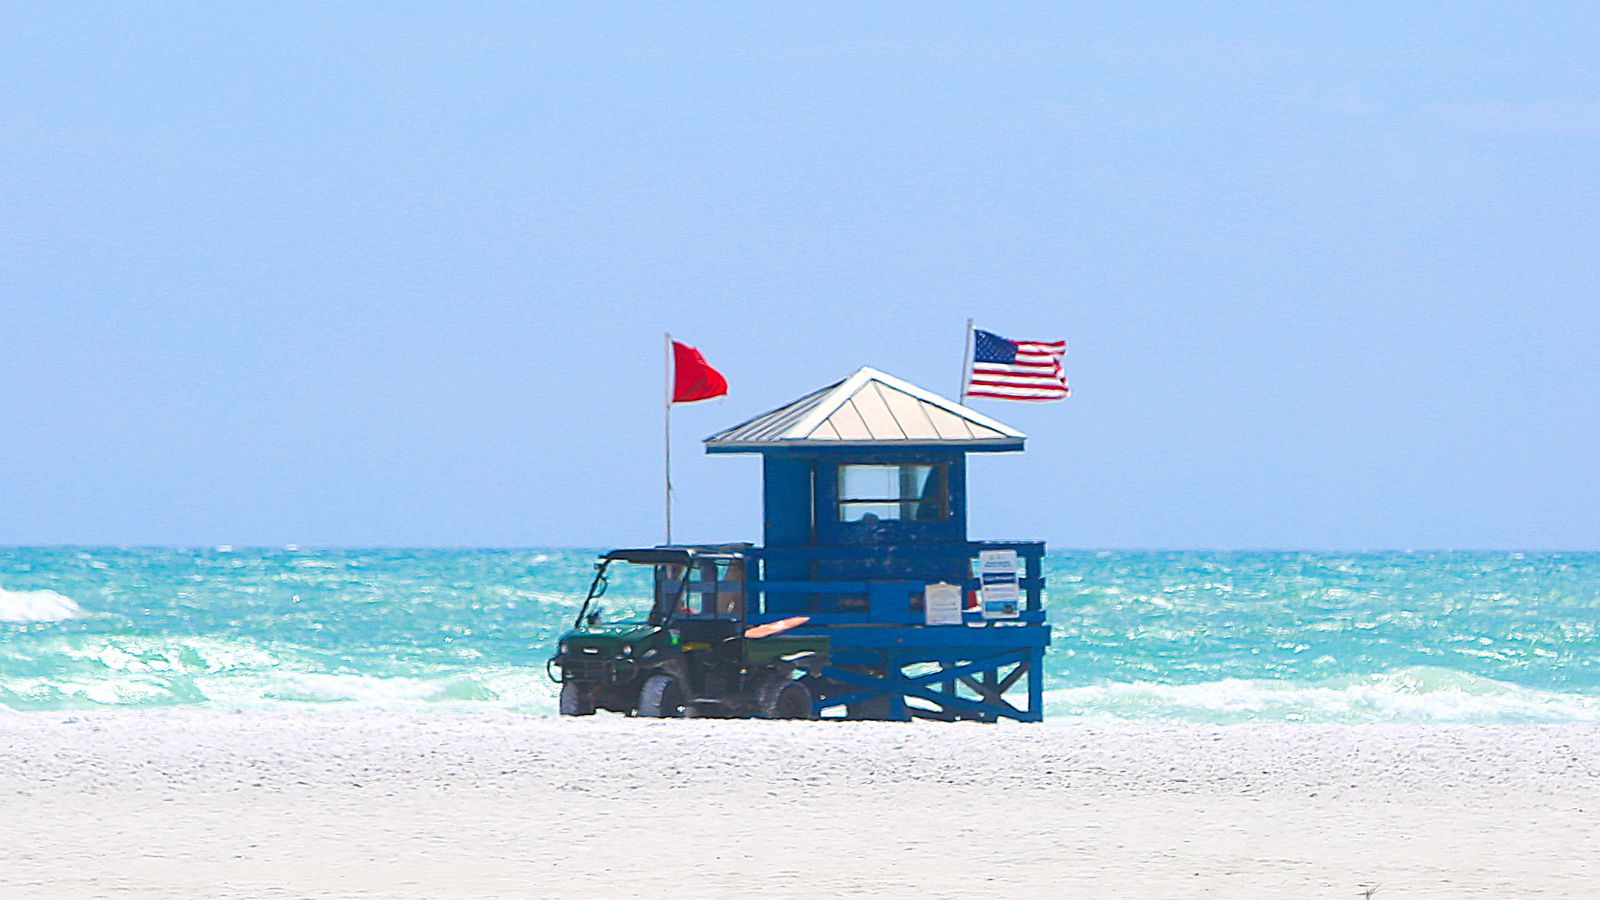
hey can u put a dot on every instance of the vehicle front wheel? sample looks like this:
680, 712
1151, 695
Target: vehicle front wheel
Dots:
786, 700
575, 701
662, 697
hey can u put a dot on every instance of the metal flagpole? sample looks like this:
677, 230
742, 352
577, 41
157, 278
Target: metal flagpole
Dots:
666, 429
966, 365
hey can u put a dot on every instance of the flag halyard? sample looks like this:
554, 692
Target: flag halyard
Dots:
689, 378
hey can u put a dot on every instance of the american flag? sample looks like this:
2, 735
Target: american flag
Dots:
1016, 370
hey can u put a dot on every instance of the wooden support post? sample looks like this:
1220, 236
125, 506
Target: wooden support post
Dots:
897, 683
1036, 686
1034, 569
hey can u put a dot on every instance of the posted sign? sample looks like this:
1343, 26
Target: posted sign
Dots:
941, 604
997, 573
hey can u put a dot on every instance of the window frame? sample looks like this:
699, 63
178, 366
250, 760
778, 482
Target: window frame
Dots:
940, 474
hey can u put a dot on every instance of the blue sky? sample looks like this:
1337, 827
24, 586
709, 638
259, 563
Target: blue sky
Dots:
350, 274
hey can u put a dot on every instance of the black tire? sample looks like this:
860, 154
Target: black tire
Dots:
662, 697
786, 700
575, 701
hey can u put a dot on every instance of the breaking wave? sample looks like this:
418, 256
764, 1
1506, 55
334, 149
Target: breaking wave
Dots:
79, 673
1415, 694
36, 606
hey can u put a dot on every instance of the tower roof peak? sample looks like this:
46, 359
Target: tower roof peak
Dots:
868, 409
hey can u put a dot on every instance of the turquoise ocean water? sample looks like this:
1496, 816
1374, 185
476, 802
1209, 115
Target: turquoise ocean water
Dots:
1205, 637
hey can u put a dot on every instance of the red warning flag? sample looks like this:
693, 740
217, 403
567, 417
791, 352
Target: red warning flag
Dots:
692, 377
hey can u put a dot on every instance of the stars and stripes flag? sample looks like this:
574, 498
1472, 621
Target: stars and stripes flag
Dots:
1016, 370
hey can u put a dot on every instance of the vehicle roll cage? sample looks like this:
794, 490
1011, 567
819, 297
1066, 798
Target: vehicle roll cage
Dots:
661, 609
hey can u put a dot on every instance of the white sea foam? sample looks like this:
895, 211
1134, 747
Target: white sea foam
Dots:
1416, 694
323, 687
509, 687
36, 606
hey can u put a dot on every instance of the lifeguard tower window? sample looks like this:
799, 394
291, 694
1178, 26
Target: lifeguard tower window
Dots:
907, 492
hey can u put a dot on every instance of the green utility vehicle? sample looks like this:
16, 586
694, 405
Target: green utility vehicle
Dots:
685, 647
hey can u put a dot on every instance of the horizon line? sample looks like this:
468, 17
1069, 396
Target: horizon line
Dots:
506, 548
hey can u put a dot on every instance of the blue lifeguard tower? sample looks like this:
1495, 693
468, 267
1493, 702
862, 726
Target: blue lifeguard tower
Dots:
865, 532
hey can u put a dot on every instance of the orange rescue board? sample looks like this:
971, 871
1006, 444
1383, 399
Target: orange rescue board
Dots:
778, 627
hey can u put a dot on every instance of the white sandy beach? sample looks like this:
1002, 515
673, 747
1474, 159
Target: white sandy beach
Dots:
209, 804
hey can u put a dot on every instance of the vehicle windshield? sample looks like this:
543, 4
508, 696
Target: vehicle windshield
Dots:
629, 593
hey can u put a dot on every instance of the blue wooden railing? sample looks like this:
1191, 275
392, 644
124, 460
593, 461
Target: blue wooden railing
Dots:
887, 601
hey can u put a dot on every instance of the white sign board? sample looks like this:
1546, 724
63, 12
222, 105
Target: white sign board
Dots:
941, 604
1001, 588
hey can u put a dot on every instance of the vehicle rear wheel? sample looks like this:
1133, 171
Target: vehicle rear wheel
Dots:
662, 697
786, 700
575, 701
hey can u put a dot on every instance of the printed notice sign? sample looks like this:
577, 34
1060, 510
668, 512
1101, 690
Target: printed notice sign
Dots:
997, 573
941, 604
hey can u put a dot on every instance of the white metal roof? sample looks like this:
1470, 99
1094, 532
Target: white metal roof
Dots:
870, 408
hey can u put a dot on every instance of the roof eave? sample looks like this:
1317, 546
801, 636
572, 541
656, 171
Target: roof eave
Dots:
995, 445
